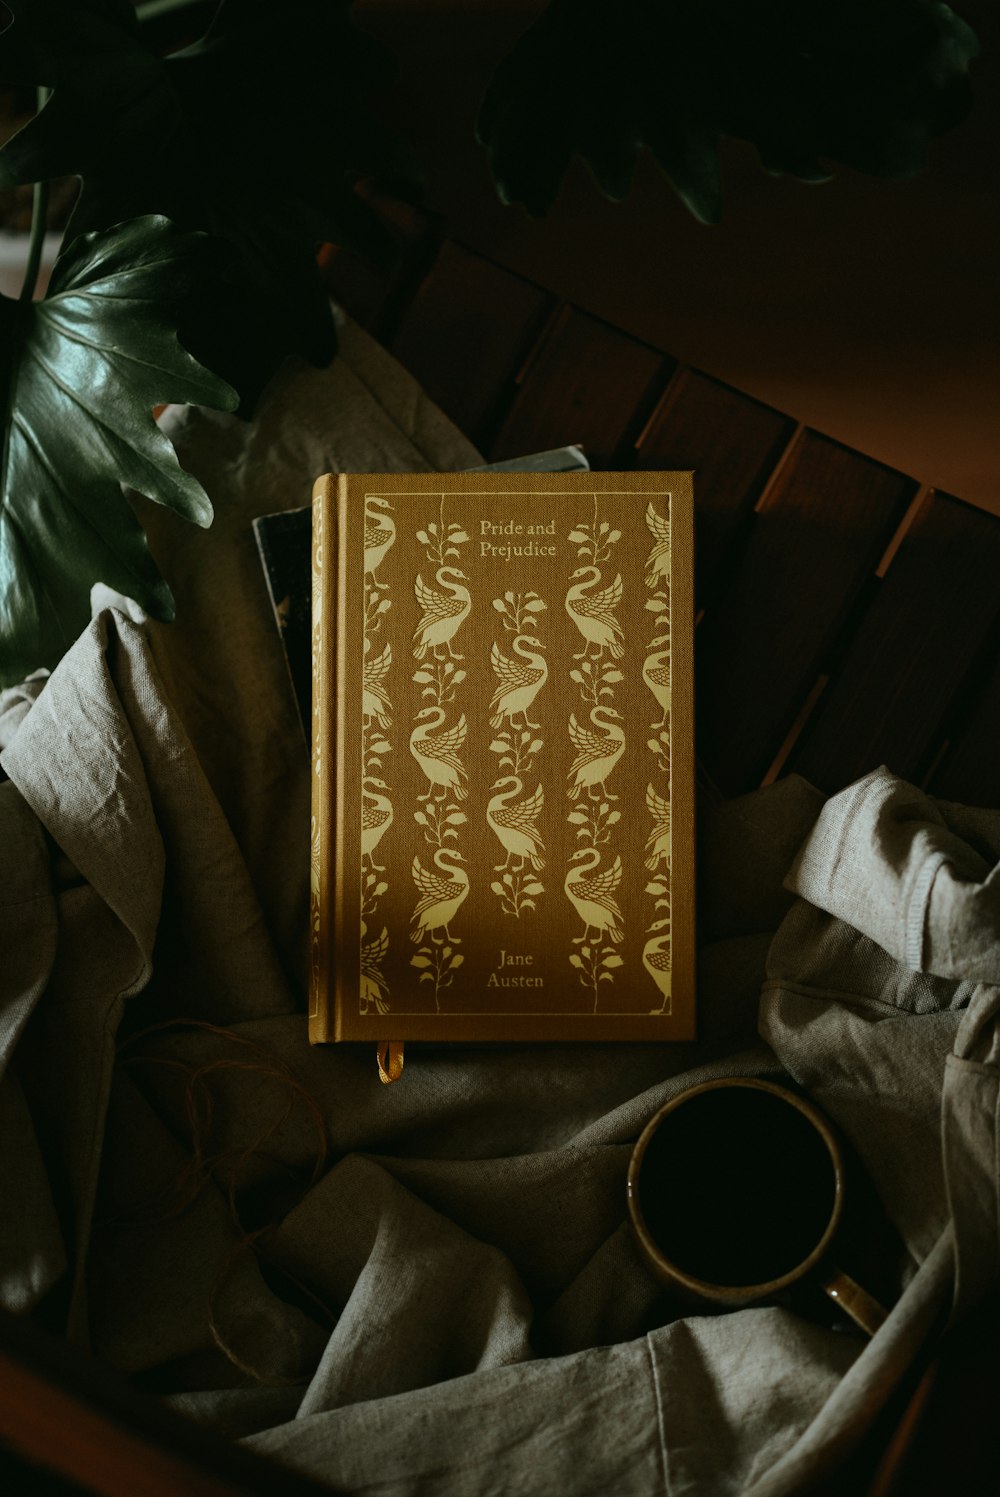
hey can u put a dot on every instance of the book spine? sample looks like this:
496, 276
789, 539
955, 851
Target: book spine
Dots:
322, 882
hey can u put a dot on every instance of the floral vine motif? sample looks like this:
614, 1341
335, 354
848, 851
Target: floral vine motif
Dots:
380, 536
592, 882
436, 742
656, 953
376, 720
512, 817
318, 753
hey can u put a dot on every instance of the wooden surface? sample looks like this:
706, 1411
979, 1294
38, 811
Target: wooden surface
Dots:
792, 594
582, 375
901, 681
488, 320
684, 432
68, 1424
845, 620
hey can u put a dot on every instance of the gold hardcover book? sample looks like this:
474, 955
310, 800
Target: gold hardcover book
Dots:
503, 767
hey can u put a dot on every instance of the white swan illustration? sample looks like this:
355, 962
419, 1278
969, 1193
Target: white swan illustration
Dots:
597, 753
658, 841
656, 674
376, 816
443, 612
440, 896
593, 613
374, 701
515, 825
520, 679
380, 532
374, 988
593, 895
656, 960
437, 753
658, 561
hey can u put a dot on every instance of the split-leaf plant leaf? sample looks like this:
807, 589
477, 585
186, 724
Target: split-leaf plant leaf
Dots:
255, 133
864, 82
83, 369
252, 134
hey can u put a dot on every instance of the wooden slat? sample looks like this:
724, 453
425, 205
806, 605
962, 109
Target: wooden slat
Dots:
816, 541
969, 769
731, 442
890, 700
585, 382
466, 335
372, 295
952, 1408
67, 1414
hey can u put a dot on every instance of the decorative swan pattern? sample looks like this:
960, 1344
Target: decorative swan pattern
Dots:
597, 753
658, 560
376, 819
656, 674
375, 701
437, 741
380, 533
658, 841
520, 676
593, 613
451, 662
374, 988
656, 954
438, 753
441, 889
317, 831
376, 720
594, 896
521, 679
517, 825
598, 740
445, 609
656, 960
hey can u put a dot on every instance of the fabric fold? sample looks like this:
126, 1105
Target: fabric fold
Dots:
883, 858
432, 1287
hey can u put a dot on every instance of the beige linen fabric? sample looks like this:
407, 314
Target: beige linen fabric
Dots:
443, 1296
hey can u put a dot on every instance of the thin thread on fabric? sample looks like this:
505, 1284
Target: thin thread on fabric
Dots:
199, 1106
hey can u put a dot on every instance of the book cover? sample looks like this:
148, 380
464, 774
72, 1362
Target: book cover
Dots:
503, 767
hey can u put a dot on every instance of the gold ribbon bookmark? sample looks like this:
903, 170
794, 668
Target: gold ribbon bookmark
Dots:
390, 1061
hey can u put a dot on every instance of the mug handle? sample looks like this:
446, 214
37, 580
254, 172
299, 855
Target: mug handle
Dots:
863, 1308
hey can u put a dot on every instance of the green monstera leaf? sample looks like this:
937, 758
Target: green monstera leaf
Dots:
864, 82
82, 371
255, 133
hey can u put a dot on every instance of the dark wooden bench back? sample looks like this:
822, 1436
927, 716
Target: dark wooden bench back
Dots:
847, 618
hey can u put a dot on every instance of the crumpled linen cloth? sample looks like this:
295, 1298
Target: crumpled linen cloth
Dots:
431, 1287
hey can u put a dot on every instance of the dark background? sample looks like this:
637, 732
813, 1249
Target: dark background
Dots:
868, 309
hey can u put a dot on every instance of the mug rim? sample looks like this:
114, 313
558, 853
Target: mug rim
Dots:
706, 1289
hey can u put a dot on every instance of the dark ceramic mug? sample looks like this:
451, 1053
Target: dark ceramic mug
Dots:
736, 1192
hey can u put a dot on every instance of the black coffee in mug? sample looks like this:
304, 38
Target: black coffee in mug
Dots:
736, 1192
736, 1187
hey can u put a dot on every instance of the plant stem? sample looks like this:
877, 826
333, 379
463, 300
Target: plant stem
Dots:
153, 8
39, 223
